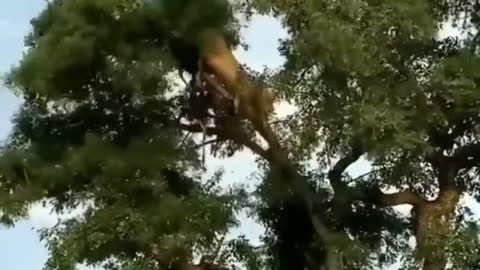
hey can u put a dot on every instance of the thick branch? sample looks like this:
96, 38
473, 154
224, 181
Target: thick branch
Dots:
447, 169
446, 139
467, 156
220, 61
278, 158
379, 198
335, 174
399, 198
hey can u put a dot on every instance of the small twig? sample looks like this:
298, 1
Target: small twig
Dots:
362, 176
205, 143
25, 174
182, 142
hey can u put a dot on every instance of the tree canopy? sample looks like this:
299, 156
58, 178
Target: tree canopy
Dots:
102, 127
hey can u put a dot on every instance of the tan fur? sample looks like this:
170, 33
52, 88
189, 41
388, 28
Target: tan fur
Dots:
218, 57
251, 102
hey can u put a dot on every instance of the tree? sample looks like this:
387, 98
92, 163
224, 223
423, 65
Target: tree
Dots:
401, 96
96, 131
99, 128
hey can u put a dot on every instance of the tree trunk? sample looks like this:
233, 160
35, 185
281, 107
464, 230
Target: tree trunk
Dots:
433, 224
334, 261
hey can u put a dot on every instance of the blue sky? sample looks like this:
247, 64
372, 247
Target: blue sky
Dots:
20, 248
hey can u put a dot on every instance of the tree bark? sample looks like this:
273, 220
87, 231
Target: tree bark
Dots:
434, 218
433, 224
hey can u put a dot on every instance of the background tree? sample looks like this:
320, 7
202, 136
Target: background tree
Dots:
99, 128
373, 79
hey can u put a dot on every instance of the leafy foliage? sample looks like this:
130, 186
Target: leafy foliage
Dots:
99, 130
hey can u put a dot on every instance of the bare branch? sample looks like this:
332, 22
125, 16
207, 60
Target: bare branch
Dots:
205, 143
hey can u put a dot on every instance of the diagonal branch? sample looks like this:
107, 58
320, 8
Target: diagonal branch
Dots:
276, 157
225, 67
205, 143
238, 136
335, 174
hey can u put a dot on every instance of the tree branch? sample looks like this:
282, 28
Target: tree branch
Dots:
205, 143
399, 198
362, 176
435, 158
467, 156
446, 139
335, 174
197, 128
238, 136
225, 67
217, 86
379, 198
